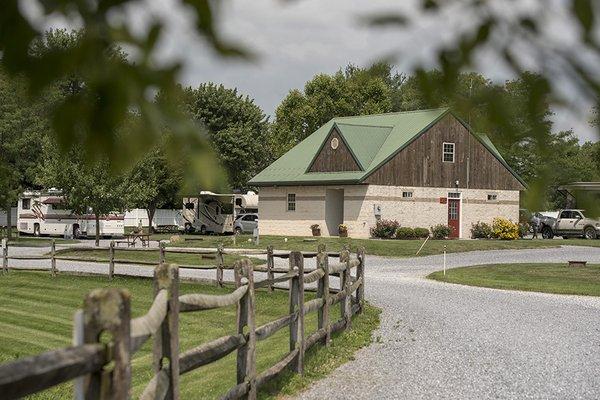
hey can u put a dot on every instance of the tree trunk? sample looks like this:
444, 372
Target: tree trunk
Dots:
150, 210
8, 221
97, 230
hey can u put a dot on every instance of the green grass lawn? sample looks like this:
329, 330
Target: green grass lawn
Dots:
388, 248
548, 278
38, 242
36, 316
175, 258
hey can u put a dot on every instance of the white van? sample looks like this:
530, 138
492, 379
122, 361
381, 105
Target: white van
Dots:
43, 213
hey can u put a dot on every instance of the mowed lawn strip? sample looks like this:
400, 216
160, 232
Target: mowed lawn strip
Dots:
38, 242
386, 248
153, 256
37, 310
548, 278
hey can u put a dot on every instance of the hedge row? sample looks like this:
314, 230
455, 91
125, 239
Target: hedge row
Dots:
391, 229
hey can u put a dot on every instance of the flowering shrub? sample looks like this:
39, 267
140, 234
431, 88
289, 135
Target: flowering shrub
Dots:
441, 231
385, 229
405, 232
481, 230
505, 229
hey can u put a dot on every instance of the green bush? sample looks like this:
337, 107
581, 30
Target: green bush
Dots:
421, 233
385, 229
481, 230
441, 231
524, 228
405, 232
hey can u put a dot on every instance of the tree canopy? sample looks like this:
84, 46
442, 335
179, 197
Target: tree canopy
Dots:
237, 129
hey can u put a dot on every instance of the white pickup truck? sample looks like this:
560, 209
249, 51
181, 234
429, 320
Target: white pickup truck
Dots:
569, 223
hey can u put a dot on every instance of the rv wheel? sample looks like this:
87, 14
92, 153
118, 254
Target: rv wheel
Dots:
238, 230
188, 228
203, 230
76, 232
36, 229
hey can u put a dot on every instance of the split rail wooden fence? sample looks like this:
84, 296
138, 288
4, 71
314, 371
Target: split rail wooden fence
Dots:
103, 370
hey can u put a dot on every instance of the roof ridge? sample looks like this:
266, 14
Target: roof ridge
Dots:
395, 112
370, 126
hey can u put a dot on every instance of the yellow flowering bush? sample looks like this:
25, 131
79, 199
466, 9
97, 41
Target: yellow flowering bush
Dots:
504, 229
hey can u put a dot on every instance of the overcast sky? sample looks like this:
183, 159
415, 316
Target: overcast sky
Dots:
294, 40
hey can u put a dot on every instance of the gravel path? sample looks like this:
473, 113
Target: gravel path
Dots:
446, 341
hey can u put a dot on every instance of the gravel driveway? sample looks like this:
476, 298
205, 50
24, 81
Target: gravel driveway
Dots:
446, 341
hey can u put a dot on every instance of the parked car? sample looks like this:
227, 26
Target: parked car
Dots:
569, 223
245, 223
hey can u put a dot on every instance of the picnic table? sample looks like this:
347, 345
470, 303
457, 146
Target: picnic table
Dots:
132, 238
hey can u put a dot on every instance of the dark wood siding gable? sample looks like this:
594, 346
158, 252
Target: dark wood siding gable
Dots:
420, 163
334, 160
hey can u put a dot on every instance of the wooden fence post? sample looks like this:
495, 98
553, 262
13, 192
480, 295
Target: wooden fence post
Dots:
345, 304
111, 260
78, 340
360, 273
108, 310
297, 306
53, 258
5, 255
270, 266
323, 292
161, 252
166, 340
220, 264
246, 355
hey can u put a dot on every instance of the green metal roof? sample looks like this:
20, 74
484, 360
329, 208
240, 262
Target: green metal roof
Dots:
372, 140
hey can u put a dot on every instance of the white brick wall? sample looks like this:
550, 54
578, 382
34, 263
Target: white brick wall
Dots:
422, 210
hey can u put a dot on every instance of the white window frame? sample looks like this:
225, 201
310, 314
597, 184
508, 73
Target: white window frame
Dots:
290, 202
444, 152
494, 199
407, 194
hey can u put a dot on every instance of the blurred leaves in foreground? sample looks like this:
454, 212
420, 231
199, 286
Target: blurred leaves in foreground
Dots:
521, 36
102, 89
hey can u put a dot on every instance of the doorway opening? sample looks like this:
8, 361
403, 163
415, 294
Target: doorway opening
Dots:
334, 210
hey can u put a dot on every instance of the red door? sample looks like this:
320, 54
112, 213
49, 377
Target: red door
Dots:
454, 217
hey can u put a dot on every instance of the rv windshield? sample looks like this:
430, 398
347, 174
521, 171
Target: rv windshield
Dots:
227, 208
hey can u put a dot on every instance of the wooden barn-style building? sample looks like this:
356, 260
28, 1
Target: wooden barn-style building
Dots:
421, 168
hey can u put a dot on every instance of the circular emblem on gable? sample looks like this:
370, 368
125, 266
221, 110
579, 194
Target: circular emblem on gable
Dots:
335, 143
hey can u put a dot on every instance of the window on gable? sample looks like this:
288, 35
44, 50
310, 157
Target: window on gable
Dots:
448, 152
407, 195
492, 197
291, 202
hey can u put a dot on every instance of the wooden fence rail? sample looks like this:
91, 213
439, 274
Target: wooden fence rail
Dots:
108, 310
217, 254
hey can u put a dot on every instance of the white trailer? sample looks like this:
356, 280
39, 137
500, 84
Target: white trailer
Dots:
43, 213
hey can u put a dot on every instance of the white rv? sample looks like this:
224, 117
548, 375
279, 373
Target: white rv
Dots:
43, 213
210, 212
